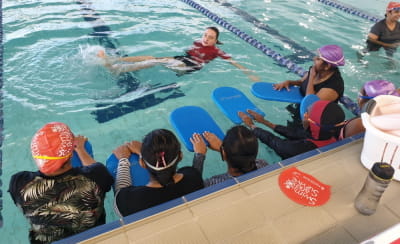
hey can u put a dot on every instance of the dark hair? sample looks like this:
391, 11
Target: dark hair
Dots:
332, 114
215, 29
241, 148
161, 145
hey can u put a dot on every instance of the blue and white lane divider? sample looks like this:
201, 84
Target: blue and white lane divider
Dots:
301, 54
349, 9
293, 67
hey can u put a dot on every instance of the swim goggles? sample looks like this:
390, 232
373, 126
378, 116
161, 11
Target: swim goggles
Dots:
364, 97
327, 127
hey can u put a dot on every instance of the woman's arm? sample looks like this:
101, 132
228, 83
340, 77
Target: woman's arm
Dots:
374, 39
83, 155
123, 178
200, 150
245, 70
287, 83
327, 94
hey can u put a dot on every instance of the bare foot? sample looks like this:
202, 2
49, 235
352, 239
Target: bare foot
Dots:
246, 119
258, 117
213, 140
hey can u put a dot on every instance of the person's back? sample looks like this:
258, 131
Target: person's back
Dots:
160, 153
239, 149
136, 198
60, 206
59, 200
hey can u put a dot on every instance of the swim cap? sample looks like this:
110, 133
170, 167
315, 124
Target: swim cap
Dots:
52, 146
331, 54
326, 115
393, 6
375, 88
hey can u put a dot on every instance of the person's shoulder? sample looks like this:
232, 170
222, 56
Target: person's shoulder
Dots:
217, 179
22, 178
188, 170
24, 175
93, 167
98, 173
261, 163
190, 173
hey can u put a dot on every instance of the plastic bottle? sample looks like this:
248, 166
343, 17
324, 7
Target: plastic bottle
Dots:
376, 183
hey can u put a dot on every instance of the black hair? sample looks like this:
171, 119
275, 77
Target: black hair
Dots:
333, 114
215, 29
158, 146
241, 148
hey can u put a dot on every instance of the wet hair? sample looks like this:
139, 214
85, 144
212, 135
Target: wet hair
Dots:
241, 148
215, 29
161, 153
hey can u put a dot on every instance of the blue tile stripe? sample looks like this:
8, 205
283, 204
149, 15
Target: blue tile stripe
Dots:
349, 9
203, 192
1, 111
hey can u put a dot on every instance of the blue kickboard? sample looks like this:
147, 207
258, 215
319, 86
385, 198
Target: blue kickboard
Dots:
266, 91
306, 102
76, 161
187, 120
139, 175
230, 101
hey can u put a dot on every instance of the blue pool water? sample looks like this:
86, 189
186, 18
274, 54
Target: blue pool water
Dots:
51, 72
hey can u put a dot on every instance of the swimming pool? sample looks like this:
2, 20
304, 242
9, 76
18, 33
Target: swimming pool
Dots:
51, 72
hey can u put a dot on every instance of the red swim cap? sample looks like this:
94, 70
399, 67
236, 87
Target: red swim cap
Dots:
393, 5
52, 146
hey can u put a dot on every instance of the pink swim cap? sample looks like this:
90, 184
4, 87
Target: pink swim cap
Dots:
331, 54
375, 88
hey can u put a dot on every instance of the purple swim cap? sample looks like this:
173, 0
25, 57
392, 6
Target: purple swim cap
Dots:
375, 88
331, 54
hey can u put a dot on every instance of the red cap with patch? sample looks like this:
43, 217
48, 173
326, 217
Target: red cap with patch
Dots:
52, 146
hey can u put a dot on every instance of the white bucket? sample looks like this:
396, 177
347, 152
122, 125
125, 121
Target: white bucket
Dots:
382, 145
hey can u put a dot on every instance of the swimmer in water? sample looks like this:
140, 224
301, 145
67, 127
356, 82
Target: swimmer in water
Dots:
202, 52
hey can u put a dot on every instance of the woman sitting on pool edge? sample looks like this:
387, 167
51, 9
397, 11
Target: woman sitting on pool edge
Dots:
203, 51
160, 153
239, 149
321, 125
323, 78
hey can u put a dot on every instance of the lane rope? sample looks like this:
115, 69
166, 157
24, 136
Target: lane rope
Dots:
349, 9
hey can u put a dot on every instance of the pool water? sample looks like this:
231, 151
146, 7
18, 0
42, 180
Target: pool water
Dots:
52, 73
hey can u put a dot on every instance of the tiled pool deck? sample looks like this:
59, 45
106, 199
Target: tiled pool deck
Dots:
253, 209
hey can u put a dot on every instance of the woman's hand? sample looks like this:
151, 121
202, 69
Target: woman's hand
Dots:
79, 143
122, 152
134, 147
313, 75
213, 141
257, 117
283, 84
199, 146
